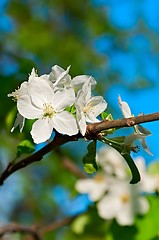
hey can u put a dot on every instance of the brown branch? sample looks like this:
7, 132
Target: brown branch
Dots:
37, 156
95, 128
37, 232
69, 164
92, 133
57, 224
14, 228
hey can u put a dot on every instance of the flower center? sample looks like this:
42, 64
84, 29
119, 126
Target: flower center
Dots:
15, 95
48, 110
88, 108
99, 178
125, 198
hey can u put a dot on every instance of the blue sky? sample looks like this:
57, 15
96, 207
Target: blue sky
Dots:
134, 59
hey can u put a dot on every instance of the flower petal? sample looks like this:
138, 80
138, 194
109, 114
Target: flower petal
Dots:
27, 109
95, 189
108, 206
42, 130
125, 215
63, 99
98, 105
56, 72
78, 81
64, 78
65, 123
41, 93
19, 121
81, 120
124, 108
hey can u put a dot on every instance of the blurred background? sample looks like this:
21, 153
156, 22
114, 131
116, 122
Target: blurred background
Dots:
116, 43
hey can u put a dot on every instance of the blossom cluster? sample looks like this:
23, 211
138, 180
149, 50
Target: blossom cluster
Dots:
57, 102
111, 191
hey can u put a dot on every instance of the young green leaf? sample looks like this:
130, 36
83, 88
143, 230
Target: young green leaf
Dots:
89, 160
25, 147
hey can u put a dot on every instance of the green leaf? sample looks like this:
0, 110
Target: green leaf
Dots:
148, 224
104, 115
89, 160
71, 109
25, 147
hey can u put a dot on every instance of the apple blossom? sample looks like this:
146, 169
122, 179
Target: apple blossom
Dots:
87, 107
60, 79
122, 202
112, 162
94, 187
148, 183
139, 132
48, 107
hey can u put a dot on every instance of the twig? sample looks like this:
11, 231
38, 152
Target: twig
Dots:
37, 232
13, 228
95, 128
57, 224
70, 165
92, 133
37, 156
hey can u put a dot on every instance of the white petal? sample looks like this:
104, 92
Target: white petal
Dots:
86, 89
98, 105
107, 207
133, 137
19, 121
78, 81
80, 100
65, 123
42, 130
143, 205
32, 75
125, 215
64, 78
41, 93
63, 99
90, 118
124, 108
27, 109
56, 72
81, 121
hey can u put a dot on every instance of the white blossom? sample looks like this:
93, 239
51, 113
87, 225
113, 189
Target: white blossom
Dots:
112, 162
49, 108
61, 79
139, 132
123, 202
148, 183
94, 187
87, 107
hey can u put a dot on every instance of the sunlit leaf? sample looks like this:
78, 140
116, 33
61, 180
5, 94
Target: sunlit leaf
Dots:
25, 147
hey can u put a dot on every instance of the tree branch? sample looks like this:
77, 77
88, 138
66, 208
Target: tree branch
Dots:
37, 232
91, 133
13, 228
95, 128
37, 156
